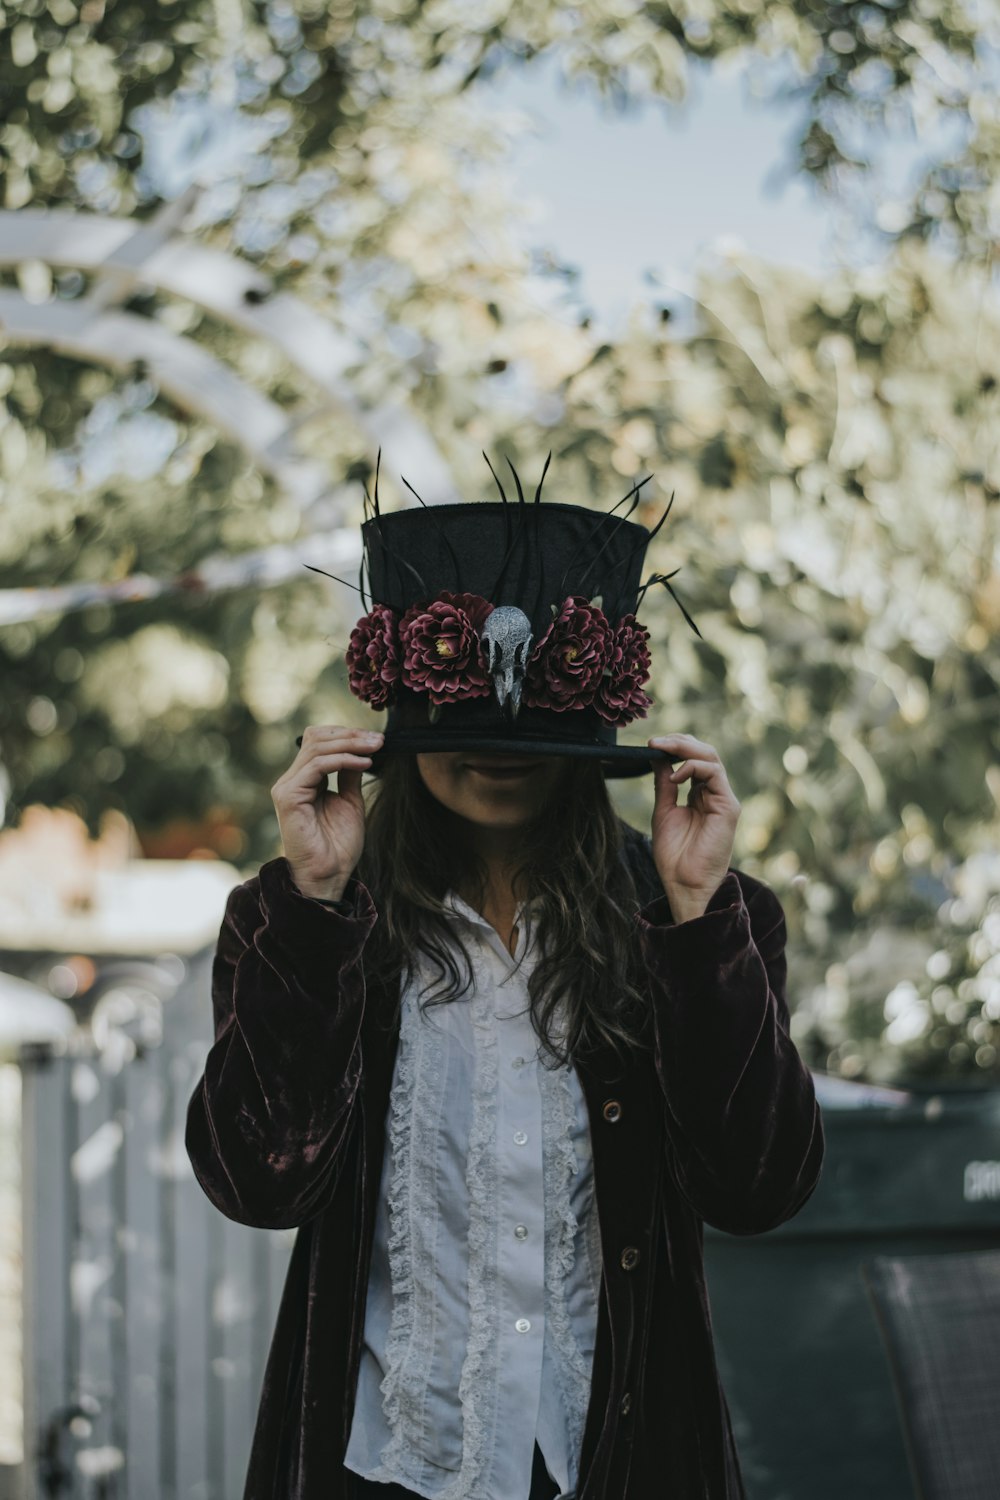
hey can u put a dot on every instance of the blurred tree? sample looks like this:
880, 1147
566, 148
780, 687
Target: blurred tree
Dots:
292, 81
830, 444
845, 488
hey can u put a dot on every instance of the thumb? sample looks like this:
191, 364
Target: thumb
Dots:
665, 790
349, 787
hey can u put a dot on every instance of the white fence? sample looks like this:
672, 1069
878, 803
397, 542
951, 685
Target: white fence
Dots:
147, 1315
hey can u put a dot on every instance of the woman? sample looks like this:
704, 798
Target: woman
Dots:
498, 1057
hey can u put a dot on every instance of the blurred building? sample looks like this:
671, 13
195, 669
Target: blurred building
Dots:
93, 942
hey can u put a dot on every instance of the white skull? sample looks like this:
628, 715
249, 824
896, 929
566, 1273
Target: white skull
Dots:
507, 637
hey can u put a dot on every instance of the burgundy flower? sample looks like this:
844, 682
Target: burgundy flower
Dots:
565, 668
442, 653
373, 657
619, 698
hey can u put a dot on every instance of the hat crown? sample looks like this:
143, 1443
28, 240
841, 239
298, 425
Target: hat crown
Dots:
529, 555
479, 608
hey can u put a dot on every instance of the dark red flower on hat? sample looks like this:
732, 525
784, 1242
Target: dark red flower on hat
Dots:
373, 657
442, 653
565, 668
619, 698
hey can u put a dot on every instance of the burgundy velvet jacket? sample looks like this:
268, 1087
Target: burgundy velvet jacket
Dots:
716, 1121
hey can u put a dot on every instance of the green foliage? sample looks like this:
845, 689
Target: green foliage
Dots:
829, 444
850, 599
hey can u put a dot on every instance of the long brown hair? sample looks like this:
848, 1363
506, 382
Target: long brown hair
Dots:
574, 861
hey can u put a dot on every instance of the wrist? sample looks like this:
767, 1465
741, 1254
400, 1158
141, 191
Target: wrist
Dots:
320, 890
685, 906
685, 902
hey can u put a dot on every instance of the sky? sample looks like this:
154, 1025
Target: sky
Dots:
665, 187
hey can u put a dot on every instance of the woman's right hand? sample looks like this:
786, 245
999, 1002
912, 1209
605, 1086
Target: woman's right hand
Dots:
323, 832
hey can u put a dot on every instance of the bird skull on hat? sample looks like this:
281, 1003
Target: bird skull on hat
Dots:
506, 634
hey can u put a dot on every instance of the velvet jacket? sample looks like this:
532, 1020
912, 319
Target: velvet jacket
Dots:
714, 1121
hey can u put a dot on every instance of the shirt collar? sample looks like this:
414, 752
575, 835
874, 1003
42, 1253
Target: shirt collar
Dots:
454, 904
460, 911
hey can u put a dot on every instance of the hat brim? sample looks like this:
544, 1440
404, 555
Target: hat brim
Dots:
616, 760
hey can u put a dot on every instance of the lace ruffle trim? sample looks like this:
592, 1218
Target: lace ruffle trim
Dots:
412, 1196
477, 1387
561, 1225
409, 1345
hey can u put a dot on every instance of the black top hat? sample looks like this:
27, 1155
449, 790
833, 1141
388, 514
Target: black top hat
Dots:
506, 626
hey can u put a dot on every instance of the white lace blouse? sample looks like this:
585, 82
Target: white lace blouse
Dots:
482, 1301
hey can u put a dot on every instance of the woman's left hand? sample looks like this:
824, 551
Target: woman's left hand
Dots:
693, 844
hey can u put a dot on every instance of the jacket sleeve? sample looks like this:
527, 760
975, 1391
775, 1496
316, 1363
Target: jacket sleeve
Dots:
267, 1121
743, 1128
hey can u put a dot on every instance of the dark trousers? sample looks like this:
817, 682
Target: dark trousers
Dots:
542, 1487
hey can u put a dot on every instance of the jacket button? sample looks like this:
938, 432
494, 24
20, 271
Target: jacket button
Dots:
626, 1405
612, 1111
630, 1258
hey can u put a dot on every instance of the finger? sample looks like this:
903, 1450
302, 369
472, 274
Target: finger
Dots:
707, 773
358, 742
661, 757
348, 741
316, 736
686, 744
325, 731
335, 760
314, 771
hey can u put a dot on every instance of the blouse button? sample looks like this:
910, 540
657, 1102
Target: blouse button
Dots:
520, 1139
630, 1258
522, 1325
612, 1111
521, 1231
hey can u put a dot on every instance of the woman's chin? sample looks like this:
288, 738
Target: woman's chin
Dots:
498, 812
491, 791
